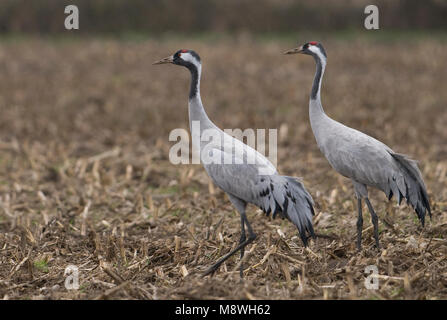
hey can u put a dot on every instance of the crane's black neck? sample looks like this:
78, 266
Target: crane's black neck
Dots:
316, 86
195, 80
195, 107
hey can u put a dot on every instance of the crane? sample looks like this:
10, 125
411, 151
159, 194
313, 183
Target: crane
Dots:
361, 158
242, 179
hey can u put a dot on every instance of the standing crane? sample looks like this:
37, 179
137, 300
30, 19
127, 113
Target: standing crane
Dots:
243, 180
363, 159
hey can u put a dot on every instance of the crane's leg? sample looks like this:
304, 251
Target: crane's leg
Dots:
241, 246
359, 224
375, 222
360, 192
242, 240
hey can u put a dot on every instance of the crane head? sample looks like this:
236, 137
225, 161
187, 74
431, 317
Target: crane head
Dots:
186, 58
312, 48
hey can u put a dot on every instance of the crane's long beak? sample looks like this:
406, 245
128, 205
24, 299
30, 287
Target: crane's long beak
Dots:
169, 59
294, 50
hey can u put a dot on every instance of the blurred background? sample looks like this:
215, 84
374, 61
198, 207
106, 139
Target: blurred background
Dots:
85, 119
191, 16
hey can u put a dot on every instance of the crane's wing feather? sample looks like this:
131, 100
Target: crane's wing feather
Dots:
411, 186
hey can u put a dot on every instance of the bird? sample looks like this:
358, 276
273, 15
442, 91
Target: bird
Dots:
361, 158
245, 182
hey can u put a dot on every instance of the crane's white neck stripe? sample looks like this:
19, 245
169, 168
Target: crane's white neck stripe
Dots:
199, 75
188, 57
320, 55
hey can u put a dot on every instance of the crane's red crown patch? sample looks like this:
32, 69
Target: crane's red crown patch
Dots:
184, 51
314, 43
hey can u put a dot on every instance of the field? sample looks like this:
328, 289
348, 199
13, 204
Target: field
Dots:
85, 178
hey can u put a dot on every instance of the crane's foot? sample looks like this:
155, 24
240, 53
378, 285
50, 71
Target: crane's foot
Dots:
359, 246
377, 244
359, 240
211, 270
376, 232
216, 266
359, 225
241, 271
241, 267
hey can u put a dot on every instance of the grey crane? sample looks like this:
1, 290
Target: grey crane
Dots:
248, 177
365, 160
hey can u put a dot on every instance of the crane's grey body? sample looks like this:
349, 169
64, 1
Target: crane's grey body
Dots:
361, 158
365, 160
249, 177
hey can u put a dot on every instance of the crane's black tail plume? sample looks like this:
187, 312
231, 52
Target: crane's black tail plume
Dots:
287, 196
410, 186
